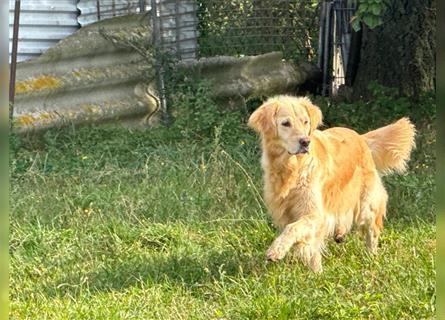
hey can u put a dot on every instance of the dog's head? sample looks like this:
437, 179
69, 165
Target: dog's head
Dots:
287, 122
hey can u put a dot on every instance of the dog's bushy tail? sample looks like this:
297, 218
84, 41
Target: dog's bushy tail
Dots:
391, 145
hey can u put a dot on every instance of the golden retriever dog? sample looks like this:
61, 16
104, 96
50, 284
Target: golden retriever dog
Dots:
321, 183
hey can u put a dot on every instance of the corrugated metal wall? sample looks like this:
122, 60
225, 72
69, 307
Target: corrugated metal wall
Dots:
45, 22
42, 24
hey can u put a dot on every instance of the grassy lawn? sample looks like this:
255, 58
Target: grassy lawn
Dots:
110, 223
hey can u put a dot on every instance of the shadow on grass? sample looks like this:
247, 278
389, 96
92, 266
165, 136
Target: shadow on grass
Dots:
188, 271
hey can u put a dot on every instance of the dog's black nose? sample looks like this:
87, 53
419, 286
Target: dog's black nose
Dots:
304, 142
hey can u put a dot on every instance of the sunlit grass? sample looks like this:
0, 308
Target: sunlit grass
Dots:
110, 223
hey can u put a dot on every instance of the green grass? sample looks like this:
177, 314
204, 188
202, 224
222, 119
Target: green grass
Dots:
108, 223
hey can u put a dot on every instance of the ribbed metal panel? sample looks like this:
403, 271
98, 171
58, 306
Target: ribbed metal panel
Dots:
89, 12
42, 24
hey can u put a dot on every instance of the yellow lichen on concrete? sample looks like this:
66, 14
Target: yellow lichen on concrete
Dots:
37, 84
28, 120
25, 120
46, 117
90, 108
88, 73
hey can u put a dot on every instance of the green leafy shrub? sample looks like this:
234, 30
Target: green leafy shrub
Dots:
370, 13
197, 116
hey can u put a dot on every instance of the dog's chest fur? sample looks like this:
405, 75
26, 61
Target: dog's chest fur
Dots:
288, 188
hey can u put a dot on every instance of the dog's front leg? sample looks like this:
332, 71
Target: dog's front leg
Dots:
302, 232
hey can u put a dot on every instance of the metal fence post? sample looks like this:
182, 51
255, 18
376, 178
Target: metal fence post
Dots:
327, 46
98, 9
142, 5
321, 35
15, 40
158, 65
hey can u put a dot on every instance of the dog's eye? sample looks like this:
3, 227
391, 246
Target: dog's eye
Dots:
306, 121
286, 123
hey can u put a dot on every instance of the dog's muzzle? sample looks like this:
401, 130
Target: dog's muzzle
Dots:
304, 145
301, 150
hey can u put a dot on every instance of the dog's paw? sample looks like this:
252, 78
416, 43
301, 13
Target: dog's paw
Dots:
372, 250
340, 234
275, 253
339, 238
315, 263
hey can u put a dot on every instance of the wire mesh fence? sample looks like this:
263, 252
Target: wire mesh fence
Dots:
96, 10
317, 31
206, 28
304, 30
308, 30
250, 27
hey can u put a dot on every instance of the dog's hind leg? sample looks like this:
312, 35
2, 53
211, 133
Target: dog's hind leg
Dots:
303, 233
372, 216
343, 225
375, 227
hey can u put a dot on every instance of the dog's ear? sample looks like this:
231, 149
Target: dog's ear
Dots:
314, 113
262, 120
